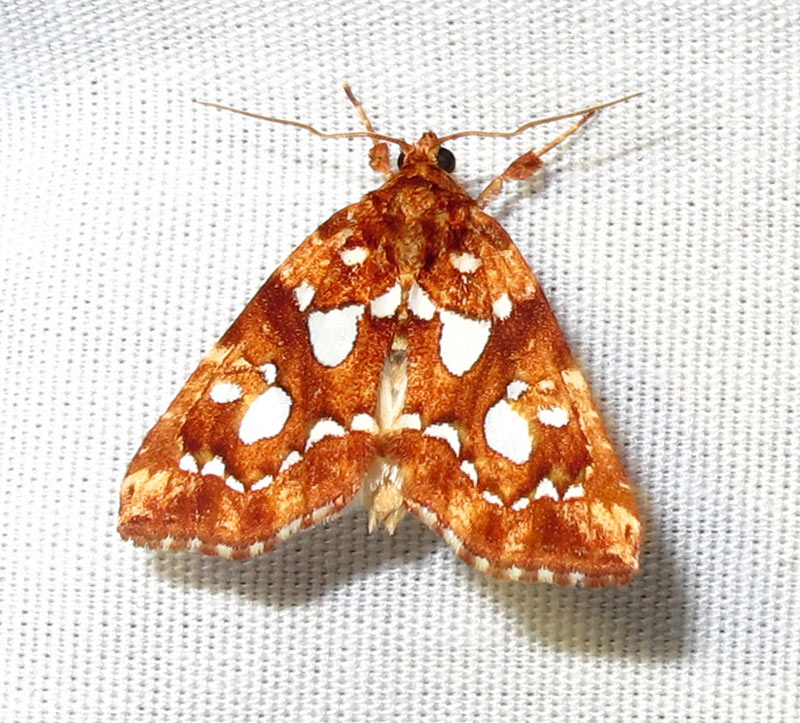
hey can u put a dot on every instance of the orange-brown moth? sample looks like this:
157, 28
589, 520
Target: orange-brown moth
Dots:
405, 352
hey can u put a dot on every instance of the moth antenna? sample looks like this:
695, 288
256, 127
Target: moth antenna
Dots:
379, 153
527, 164
540, 121
566, 134
297, 124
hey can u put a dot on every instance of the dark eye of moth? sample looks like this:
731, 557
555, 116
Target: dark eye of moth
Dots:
444, 159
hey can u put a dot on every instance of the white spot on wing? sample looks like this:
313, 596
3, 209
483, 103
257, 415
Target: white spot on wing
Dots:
462, 342
573, 492
256, 549
234, 484
451, 539
466, 263
265, 481
481, 564
575, 578
554, 416
409, 421
303, 295
420, 303
270, 373
214, 466
502, 307
507, 433
364, 423
188, 463
322, 513
333, 333
516, 389
469, 469
521, 504
292, 458
266, 416
492, 498
546, 488
292, 528
544, 575
324, 428
427, 516
448, 433
386, 304
225, 392
354, 255
514, 572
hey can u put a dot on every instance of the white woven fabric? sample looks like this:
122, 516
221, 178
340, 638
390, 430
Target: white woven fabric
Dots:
136, 224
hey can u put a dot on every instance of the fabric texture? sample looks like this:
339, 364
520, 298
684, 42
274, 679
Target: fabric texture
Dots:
136, 224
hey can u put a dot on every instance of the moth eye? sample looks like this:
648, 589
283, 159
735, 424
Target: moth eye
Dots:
446, 160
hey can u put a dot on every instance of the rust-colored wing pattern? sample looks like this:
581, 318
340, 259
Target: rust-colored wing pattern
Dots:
511, 465
404, 350
267, 437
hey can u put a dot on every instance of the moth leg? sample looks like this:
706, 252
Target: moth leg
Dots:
379, 153
526, 165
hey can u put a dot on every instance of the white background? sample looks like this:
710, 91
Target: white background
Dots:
136, 224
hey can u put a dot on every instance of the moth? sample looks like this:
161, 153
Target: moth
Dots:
404, 352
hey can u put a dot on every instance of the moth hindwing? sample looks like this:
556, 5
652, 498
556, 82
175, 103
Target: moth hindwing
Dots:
405, 352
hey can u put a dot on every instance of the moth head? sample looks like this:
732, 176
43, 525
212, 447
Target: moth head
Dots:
428, 149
